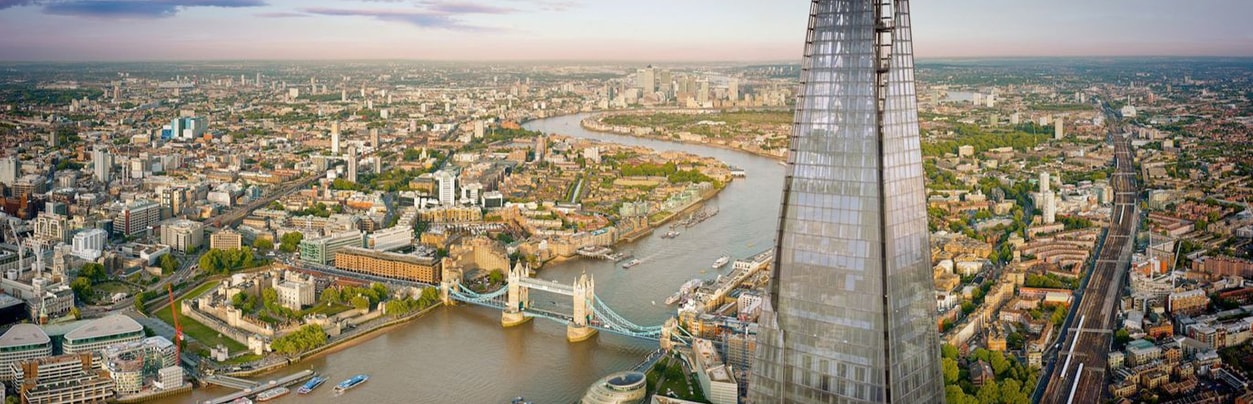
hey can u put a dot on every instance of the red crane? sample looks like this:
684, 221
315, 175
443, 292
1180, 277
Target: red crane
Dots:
178, 329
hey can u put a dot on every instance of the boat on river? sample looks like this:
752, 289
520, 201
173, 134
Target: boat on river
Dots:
350, 383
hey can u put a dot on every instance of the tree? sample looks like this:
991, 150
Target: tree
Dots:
1121, 337
998, 362
954, 394
306, 338
331, 295
82, 288
290, 241
990, 392
93, 272
168, 264
429, 297
244, 302
1011, 392
269, 299
263, 244
948, 351
360, 302
139, 303
951, 370
76, 313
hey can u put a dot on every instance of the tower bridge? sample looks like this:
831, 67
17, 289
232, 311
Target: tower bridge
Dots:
587, 316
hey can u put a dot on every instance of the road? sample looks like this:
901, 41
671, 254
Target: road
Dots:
1087, 347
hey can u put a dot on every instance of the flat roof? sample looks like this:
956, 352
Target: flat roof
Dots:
106, 326
23, 335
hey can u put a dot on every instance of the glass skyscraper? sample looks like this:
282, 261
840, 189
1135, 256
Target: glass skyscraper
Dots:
851, 316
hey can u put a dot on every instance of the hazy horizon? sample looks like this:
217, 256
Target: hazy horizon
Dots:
736, 31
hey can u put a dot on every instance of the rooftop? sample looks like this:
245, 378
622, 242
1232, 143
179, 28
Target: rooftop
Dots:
111, 325
24, 334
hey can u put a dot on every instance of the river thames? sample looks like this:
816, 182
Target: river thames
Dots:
461, 354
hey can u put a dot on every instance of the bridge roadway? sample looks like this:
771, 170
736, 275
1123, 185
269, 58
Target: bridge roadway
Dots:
255, 388
1088, 346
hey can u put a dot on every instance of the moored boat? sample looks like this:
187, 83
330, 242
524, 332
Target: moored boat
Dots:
310, 385
272, 393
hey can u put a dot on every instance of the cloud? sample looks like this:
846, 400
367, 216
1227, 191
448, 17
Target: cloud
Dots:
132, 8
440, 14
551, 5
458, 7
419, 18
14, 3
281, 14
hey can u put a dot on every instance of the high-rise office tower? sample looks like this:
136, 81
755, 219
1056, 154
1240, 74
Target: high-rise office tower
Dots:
447, 182
9, 170
733, 89
665, 82
851, 315
646, 79
1047, 200
352, 164
335, 138
541, 148
101, 164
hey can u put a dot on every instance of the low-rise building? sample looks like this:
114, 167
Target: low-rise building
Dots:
716, 379
182, 235
225, 239
66, 378
102, 332
19, 343
131, 363
1140, 352
294, 292
89, 244
617, 388
410, 267
322, 250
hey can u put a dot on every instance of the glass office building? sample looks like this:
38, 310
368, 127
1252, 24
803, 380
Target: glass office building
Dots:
851, 317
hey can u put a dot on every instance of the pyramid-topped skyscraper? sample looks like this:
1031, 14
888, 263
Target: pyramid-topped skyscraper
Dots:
851, 316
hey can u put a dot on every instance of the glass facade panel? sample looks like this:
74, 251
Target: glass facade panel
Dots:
851, 317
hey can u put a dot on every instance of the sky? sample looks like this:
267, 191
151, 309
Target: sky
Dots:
618, 30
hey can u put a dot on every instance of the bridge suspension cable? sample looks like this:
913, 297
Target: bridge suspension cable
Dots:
615, 321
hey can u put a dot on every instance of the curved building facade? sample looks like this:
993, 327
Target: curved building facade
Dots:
19, 343
851, 316
618, 388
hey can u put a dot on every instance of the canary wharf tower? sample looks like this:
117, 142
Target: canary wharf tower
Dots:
851, 316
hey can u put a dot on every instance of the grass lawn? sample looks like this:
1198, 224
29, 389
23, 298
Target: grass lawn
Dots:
104, 291
112, 287
685, 388
328, 310
245, 358
194, 329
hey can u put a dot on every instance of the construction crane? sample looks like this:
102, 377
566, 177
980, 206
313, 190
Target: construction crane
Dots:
178, 329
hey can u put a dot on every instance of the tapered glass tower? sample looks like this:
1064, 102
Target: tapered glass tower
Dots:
851, 316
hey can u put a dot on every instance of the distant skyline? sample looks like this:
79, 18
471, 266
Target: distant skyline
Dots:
639, 30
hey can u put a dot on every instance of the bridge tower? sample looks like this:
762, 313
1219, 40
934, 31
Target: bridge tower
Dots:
584, 293
667, 330
450, 282
519, 297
